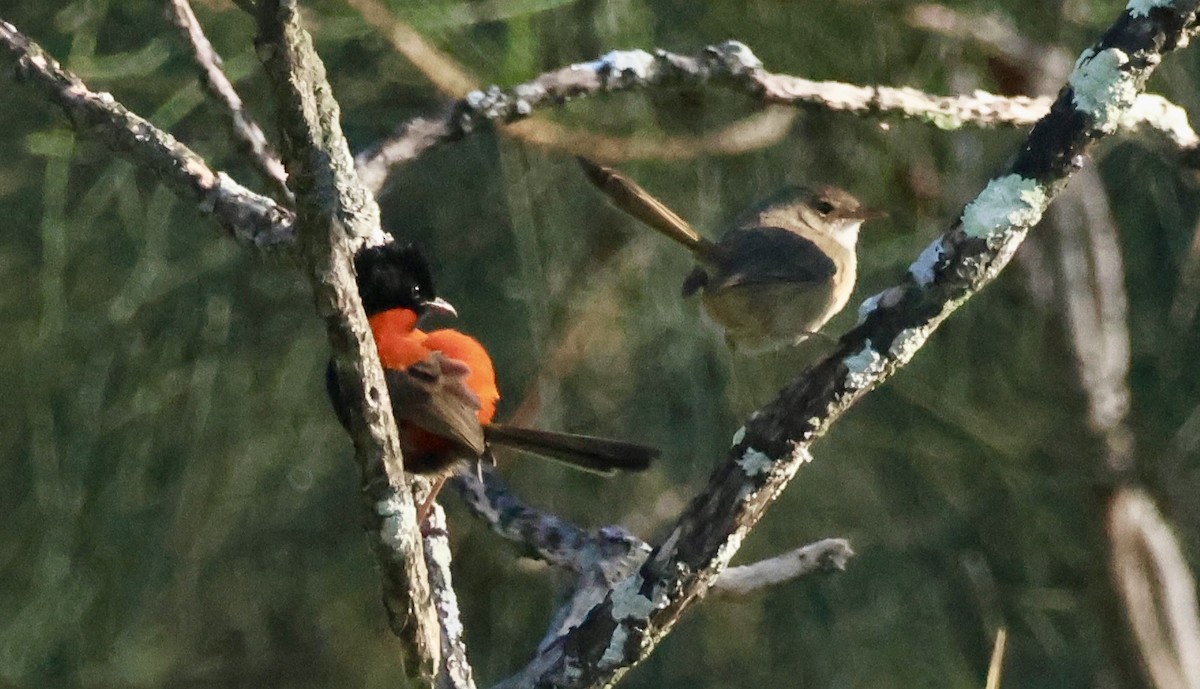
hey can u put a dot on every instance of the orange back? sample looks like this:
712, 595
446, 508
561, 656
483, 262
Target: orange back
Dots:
401, 345
482, 379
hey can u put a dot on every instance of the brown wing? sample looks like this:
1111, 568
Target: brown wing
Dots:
768, 255
432, 394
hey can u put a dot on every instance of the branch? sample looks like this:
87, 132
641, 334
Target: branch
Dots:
335, 216
733, 66
751, 133
543, 535
247, 134
451, 79
247, 217
1158, 589
456, 670
827, 555
640, 610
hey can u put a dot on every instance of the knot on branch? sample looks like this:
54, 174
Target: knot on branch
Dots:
733, 59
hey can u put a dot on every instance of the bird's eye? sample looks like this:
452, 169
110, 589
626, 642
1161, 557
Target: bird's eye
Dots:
824, 207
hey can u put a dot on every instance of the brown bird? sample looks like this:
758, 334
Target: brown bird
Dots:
783, 268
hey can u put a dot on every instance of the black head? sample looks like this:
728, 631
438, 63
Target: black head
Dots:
395, 276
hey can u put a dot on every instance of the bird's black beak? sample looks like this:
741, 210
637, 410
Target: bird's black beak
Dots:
440, 306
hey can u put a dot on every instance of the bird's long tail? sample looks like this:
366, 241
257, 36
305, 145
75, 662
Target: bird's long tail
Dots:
598, 455
630, 197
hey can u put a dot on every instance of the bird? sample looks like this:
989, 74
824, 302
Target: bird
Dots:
442, 383
781, 270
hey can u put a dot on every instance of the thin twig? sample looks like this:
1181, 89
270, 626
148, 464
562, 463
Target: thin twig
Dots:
996, 664
247, 217
827, 555
247, 134
1158, 588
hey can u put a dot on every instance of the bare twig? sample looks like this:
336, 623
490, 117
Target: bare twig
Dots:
827, 555
453, 80
623, 628
456, 670
1159, 590
415, 137
996, 664
336, 216
248, 217
448, 76
246, 133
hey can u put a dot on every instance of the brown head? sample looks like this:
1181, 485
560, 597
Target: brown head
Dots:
824, 208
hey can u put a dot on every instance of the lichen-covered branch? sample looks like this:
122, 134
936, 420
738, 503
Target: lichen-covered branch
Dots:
248, 217
627, 624
826, 555
335, 217
543, 535
456, 670
734, 66
248, 136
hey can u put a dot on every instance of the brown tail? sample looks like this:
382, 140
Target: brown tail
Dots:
598, 455
627, 195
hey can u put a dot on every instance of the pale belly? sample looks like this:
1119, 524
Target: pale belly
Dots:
774, 315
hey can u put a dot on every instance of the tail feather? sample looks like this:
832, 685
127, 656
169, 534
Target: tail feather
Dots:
598, 455
630, 197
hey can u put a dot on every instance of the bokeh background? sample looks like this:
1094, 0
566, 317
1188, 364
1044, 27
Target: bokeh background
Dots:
180, 506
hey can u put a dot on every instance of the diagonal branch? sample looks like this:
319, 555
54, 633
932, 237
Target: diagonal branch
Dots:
247, 217
639, 611
335, 216
247, 134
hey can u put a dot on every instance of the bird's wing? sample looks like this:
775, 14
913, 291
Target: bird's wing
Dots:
768, 255
432, 395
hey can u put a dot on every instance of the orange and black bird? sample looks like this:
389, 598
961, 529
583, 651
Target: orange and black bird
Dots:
442, 383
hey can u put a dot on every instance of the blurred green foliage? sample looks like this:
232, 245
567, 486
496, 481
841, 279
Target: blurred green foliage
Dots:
180, 506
